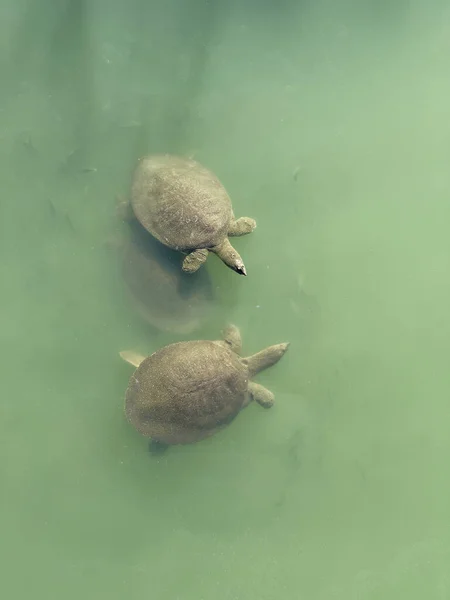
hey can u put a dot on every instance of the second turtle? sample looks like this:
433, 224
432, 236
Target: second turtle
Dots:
184, 206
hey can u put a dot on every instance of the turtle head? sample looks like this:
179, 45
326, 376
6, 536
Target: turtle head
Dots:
230, 257
239, 267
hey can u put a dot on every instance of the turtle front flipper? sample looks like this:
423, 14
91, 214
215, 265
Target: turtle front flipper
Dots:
261, 395
232, 338
194, 260
241, 226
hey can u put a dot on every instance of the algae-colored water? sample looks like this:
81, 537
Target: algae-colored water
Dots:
329, 123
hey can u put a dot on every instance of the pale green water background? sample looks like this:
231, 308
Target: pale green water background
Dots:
329, 122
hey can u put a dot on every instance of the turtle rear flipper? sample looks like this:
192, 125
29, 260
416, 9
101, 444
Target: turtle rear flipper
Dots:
124, 210
131, 357
157, 448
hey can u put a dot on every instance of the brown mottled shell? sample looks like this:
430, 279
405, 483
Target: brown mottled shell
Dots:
186, 392
180, 202
165, 296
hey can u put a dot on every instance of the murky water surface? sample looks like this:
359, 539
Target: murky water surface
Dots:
329, 123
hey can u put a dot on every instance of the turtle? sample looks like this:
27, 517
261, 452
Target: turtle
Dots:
185, 207
164, 296
188, 391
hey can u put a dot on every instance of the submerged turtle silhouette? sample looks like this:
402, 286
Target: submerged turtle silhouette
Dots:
164, 296
184, 206
188, 391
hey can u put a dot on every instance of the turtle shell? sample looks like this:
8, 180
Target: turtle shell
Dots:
165, 296
186, 391
180, 202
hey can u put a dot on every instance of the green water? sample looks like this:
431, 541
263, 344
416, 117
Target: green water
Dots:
329, 123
